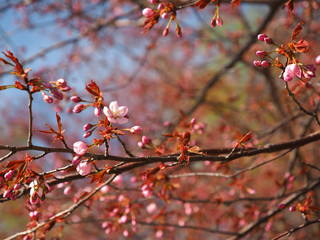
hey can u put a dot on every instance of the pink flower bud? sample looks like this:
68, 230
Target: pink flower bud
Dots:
165, 32
9, 175
292, 208
56, 93
151, 207
87, 134
76, 160
268, 40
288, 76
97, 112
257, 63
146, 140
13, 197
164, 15
84, 168
61, 82
265, 64
153, 1
261, 37
47, 98
75, 99
80, 148
140, 144
17, 186
318, 60
161, 6
66, 89
219, 21
148, 12
213, 22
67, 190
87, 127
136, 129
78, 108
311, 67
281, 206
7, 193
261, 53
123, 219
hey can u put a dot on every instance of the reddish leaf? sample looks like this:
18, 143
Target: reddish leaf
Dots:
195, 149
18, 67
302, 46
6, 62
14, 162
93, 89
98, 176
186, 138
297, 31
18, 85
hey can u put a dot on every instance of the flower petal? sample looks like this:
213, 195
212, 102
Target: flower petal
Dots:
122, 111
113, 106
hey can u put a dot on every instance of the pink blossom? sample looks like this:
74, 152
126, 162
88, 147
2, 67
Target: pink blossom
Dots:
17, 186
140, 144
318, 60
123, 219
116, 114
153, 1
148, 12
261, 37
56, 93
136, 129
290, 71
292, 208
84, 168
281, 206
151, 207
80, 148
165, 32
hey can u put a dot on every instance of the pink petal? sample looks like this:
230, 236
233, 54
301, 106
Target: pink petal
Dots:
122, 111
113, 106
121, 120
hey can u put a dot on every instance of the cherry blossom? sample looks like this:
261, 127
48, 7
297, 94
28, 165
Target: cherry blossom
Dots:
84, 168
116, 114
80, 148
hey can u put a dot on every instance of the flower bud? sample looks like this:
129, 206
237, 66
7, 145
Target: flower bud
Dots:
80, 148
61, 82
268, 40
136, 129
265, 64
261, 53
87, 127
97, 112
17, 186
78, 108
147, 12
146, 140
261, 37
160, 6
140, 144
292, 208
318, 60
75, 99
7, 193
76, 160
87, 134
84, 168
281, 206
9, 175
165, 32
164, 15
257, 63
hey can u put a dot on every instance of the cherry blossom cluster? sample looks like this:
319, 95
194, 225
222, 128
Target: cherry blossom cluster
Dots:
114, 114
167, 10
164, 10
293, 67
55, 88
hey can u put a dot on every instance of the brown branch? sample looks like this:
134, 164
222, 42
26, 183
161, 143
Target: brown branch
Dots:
65, 213
275, 210
289, 232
